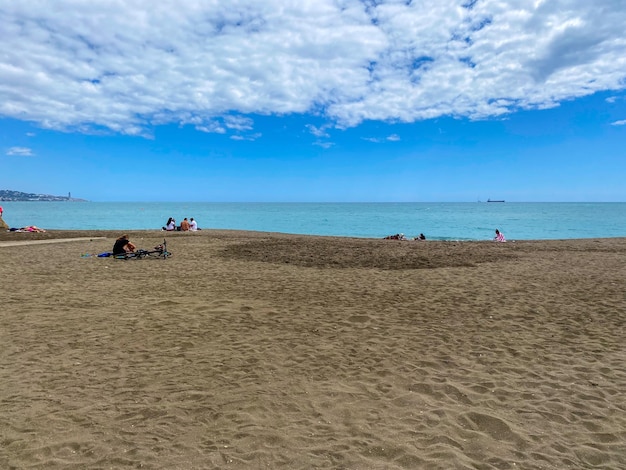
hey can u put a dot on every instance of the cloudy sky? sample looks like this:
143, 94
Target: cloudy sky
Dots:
314, 100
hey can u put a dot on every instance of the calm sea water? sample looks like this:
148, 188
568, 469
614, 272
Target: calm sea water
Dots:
439, 221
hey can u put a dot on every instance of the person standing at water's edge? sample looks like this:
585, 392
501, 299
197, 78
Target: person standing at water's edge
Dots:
3, 224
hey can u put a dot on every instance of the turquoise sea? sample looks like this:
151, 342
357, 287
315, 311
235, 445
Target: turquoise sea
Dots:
439, 221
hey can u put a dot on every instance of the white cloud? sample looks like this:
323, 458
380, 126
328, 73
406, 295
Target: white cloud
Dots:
318, 131
324, 145
126, 66
238, 123
250, 137
619, 123
378, 140
20, 151
211, 127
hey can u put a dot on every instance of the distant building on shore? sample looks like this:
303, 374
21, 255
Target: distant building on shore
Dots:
9, 195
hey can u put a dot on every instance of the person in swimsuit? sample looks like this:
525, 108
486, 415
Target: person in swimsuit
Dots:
31, 228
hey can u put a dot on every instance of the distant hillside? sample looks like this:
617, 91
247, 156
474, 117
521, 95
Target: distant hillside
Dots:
8, 195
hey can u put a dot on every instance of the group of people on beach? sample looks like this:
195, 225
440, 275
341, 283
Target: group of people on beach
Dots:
185, 226
400, 236
28, 228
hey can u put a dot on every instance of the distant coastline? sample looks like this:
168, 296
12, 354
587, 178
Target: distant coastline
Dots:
9, 195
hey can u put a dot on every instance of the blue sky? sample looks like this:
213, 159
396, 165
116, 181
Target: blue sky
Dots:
325, 100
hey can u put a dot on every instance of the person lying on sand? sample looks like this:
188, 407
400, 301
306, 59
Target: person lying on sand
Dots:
397, 236
29, 228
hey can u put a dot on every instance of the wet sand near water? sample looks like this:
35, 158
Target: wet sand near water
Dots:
251, 350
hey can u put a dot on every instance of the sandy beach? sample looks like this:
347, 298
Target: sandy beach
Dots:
249, 350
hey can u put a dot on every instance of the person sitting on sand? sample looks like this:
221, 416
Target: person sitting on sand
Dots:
184, 225
123, 245
193, 225
499, 236
170, 225
420, 237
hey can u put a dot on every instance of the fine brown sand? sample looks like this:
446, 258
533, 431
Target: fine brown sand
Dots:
252, 350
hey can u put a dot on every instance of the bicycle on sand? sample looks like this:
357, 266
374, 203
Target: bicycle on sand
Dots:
159, 251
